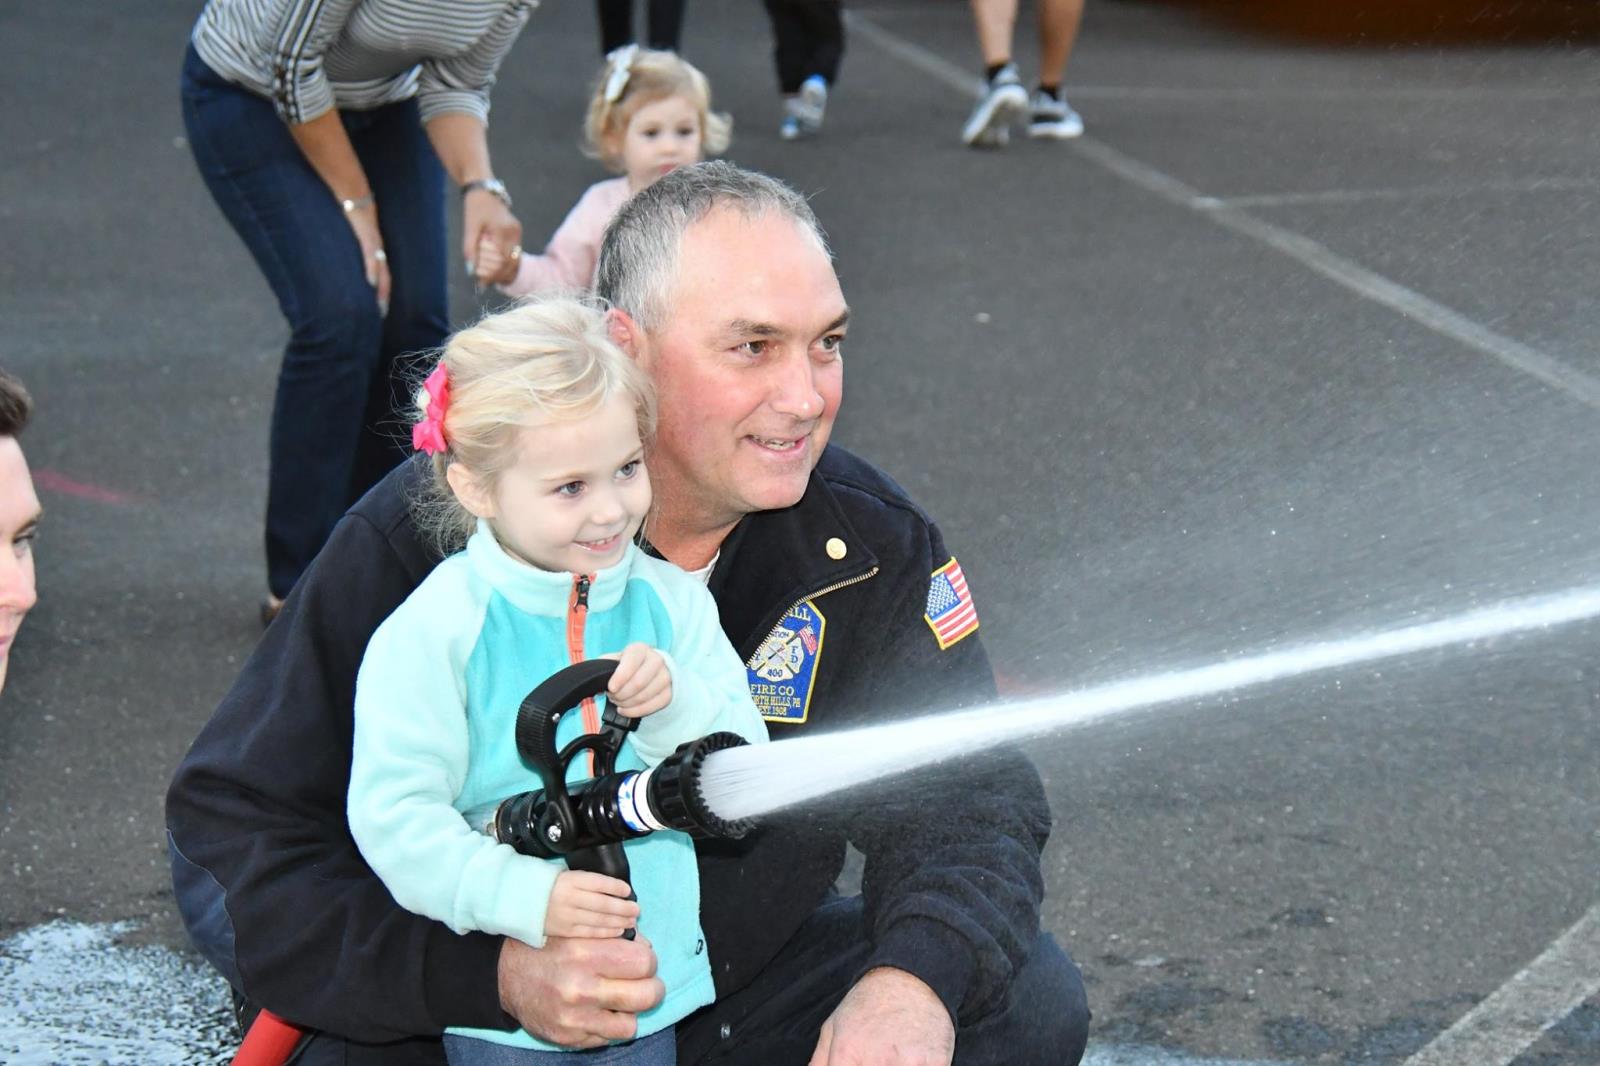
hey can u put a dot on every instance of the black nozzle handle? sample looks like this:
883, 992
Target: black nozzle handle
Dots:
543, 707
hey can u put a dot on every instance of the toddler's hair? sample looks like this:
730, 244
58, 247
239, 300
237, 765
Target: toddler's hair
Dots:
544, 360
647, 76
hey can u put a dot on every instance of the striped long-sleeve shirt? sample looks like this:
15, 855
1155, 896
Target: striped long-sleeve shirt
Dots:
309, 56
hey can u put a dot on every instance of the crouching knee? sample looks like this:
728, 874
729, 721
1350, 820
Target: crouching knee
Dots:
1043, 1022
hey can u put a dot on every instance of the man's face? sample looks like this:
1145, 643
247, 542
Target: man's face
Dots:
19, 519
747, 367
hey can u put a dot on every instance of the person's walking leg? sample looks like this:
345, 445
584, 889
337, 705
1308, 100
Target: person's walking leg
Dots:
825, 33
788, 44
1058, 32
616, 24
665, 24
790, 50
302, 244
825, 48
1051, 115
995, 21
408, 184
1003, 100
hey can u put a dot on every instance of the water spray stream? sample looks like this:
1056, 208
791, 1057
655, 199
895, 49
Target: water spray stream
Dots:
751, 781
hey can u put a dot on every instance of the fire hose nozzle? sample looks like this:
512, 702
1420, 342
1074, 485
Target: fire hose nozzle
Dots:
620, 806
675, 794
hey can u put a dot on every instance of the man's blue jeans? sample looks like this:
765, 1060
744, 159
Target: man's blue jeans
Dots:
339, 419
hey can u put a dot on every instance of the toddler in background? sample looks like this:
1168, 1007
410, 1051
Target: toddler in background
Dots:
650, 113
536, 422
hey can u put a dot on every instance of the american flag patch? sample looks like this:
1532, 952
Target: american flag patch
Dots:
951, 614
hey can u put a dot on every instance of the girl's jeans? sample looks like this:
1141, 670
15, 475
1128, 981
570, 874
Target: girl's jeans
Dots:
342, 404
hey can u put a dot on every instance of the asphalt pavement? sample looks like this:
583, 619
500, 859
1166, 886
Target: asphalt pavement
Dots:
1296, 344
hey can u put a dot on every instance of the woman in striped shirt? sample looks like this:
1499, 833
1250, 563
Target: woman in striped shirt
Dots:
324, 130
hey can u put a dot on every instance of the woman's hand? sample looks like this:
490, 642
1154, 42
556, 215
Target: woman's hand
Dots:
484, 216
364, 222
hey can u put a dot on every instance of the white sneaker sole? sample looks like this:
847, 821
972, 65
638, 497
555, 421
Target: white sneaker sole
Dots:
997, 110
1056, 131
814, 98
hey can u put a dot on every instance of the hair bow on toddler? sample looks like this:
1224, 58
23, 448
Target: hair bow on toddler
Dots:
621, 69
428, 434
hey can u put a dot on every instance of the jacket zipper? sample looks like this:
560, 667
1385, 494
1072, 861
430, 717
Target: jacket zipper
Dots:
835, 587
577, 614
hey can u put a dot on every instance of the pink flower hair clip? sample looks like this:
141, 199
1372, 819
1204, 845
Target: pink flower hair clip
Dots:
428, 434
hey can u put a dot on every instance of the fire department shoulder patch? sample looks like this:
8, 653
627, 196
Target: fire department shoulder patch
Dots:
783, 670
951, 613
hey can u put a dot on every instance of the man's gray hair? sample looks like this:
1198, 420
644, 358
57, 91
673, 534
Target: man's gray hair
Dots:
639, 255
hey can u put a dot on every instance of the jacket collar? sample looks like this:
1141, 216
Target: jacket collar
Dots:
775, 559
542, 592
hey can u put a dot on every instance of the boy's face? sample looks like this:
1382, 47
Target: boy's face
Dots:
661, 136
19, 519
576, 494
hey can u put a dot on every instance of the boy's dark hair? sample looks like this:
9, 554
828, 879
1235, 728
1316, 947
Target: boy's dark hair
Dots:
15, 405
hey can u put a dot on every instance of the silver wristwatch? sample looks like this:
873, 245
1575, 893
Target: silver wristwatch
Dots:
493, 186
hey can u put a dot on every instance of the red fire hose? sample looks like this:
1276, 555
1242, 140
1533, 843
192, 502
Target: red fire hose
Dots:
270, 1042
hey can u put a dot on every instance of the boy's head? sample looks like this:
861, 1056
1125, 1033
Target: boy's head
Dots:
19, 518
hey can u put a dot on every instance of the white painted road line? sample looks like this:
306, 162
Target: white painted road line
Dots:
1356, 196
1366, 283
1506, 1024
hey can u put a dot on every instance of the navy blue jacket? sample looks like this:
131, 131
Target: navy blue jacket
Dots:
276, 896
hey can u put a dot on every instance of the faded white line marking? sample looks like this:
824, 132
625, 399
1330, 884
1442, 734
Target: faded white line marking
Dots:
1506, 1024
938, 67
1351, 275
1355, 196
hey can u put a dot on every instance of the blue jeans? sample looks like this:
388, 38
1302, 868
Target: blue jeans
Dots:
657, 1049
342, 404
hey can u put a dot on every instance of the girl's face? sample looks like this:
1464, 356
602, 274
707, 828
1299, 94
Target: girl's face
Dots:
661, 136
575, 496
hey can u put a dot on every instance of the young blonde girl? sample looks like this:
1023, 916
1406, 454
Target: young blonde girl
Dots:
535, 422
650, 113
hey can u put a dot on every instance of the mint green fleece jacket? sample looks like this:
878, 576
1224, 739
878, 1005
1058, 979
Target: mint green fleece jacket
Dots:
435, 715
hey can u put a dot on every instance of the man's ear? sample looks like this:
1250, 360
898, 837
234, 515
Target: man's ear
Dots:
470, 490
625, 333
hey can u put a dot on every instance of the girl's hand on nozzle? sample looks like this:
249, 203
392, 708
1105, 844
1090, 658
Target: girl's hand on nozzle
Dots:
585, 904
642, 684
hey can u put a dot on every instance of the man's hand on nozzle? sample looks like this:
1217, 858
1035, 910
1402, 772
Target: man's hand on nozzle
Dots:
889, 1018
579, 993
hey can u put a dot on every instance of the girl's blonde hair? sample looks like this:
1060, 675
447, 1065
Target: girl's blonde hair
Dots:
633, 77
544, 360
